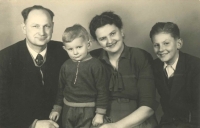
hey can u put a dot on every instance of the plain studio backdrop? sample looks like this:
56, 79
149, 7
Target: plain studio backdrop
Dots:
138, 17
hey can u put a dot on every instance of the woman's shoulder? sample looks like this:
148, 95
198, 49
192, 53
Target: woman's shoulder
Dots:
138, 52
96, 52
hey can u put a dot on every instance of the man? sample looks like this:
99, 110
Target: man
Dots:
29, 72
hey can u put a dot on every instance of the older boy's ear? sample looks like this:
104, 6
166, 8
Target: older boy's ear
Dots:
179, 43
23, 27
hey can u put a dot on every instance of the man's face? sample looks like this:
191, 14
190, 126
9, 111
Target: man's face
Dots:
38, 28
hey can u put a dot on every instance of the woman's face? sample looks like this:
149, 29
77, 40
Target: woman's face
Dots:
110, 38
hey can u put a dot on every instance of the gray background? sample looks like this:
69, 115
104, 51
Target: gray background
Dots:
138, 17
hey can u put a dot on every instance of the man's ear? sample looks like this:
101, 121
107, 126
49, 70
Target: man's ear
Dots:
52, 26
179, 43
23, 27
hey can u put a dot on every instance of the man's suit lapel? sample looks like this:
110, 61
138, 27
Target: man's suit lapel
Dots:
179, 76
24, 55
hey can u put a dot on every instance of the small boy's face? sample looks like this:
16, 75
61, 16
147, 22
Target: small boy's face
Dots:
166, 47
77, 49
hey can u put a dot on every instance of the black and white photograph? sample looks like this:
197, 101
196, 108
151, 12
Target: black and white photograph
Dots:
99, 64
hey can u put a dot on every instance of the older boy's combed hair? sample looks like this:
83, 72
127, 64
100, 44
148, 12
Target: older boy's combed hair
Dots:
103, 19
26, 11
166, 27
74, 32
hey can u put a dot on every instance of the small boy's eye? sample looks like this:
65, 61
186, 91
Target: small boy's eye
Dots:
155, 45
69, 49
79, 47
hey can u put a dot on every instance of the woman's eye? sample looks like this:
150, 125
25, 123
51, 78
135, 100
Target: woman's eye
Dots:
155, 45
101, 39
113, 33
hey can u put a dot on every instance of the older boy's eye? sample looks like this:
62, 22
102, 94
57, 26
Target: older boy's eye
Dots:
69, 49
79, 47
166, 43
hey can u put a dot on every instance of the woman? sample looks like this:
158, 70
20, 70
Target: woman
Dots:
131, 86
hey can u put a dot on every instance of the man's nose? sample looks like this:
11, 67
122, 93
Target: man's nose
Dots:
42, 30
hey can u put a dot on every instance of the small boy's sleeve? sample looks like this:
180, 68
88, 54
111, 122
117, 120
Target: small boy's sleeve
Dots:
102, 82
61, 85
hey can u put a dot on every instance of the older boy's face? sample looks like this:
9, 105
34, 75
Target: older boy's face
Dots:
77, 49
38, 28
166, 47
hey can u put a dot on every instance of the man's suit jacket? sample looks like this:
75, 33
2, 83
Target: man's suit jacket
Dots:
23, 97
182, 103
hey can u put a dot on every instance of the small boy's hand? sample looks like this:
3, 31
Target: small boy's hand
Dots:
54, 116
97, 120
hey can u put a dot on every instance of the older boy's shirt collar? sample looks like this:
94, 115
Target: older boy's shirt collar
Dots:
173, 65
34, 54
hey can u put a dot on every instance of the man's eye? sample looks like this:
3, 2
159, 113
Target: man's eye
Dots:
36, 26
47, 26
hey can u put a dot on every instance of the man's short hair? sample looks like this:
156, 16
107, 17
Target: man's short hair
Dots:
74, 32
165, 27
26, 11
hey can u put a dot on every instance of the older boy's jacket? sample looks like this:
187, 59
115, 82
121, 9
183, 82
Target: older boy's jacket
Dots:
182, 103
23, 97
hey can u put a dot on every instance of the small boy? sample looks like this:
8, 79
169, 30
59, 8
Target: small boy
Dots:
82, 83
177, 78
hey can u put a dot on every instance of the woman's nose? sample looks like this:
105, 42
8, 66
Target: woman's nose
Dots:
109, 40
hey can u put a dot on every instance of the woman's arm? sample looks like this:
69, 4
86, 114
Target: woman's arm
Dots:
135, 118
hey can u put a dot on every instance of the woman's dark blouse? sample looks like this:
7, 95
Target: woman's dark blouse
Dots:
134, 78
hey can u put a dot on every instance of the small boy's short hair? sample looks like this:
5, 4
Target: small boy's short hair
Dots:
166, 27
74, 32
107, 17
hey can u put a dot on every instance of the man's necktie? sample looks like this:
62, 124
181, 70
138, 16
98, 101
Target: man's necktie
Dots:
39, 60
169, 70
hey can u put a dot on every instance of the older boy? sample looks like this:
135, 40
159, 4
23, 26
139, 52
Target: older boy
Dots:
82, 84
177, 77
